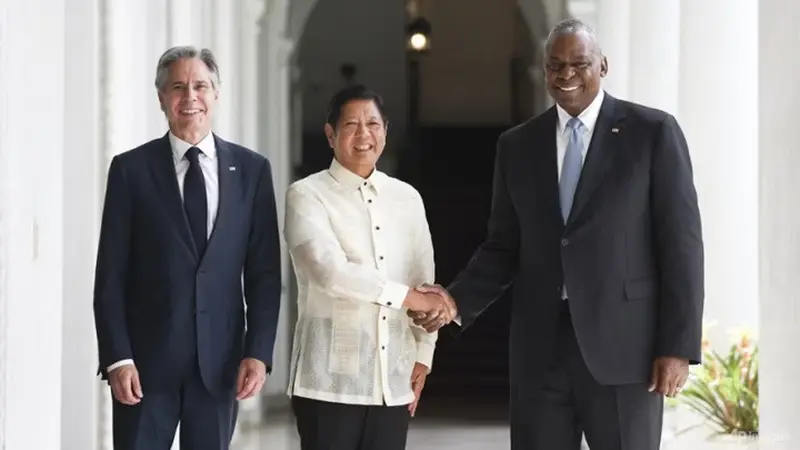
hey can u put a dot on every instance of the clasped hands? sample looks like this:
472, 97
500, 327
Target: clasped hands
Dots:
431, 307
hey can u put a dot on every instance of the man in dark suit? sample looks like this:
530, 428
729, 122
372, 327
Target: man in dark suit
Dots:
189, 222
605, 258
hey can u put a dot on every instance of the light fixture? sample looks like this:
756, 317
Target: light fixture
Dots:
419, 35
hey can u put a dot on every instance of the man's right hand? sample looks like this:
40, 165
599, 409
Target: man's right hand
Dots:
435, 318
125, 384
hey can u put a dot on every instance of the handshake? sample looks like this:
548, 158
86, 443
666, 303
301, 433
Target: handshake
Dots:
430, 306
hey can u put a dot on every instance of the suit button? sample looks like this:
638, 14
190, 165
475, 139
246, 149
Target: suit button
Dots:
564, 242
388, 303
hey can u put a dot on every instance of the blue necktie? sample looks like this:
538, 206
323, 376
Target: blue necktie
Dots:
194, 200
571, 169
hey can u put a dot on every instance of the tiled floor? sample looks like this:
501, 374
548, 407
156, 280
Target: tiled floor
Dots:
487, 432
425, 434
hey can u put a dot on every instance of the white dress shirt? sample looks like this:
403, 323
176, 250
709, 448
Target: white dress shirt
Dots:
588, 118
357, 246
210, 168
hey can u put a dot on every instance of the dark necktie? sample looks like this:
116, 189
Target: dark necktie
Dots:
194, 200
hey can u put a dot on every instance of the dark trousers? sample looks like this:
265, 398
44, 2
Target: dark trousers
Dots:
337, 426
207, 422
570, 402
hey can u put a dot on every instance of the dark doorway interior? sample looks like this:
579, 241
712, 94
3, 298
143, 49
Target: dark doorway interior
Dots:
453, 173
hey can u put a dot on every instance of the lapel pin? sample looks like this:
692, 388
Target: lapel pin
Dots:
615, 130
232, 168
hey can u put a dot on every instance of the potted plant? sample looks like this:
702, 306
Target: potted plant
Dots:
724, 392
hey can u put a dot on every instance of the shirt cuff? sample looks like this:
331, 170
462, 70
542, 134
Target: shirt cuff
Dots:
425, 354
124, 362
393, 295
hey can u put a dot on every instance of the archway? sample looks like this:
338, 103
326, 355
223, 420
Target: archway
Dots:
301, 22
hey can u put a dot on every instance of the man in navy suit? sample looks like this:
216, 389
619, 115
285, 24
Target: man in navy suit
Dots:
189, 225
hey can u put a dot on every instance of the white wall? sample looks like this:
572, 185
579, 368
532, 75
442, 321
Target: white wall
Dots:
82, 186
32, 177
779, 212
719, 114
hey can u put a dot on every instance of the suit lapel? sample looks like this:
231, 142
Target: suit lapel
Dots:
162, 168
547, 164
599, 155
230, 189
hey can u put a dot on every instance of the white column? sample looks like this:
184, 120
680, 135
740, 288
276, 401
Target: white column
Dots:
779, 213
226, 43
250, 120
654, 66
32, 222
274, 142
719, 113
81, 196
5, 237
613, 29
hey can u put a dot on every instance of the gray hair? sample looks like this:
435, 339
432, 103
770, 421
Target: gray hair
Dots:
572, 26
186, 52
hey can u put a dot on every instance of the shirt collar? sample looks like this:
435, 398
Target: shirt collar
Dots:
588, 117
179, 147
350, 180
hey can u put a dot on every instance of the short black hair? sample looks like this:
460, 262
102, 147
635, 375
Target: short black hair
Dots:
348, 94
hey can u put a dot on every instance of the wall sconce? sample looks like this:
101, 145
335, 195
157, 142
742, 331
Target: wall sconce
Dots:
418, 35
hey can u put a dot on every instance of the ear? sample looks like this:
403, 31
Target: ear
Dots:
161, 102
603, 67
330, 134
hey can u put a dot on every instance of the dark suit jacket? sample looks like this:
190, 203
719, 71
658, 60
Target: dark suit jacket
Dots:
156, 302
631, 253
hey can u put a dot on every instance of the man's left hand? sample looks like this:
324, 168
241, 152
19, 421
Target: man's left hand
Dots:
418, 376
252, 375
669, 375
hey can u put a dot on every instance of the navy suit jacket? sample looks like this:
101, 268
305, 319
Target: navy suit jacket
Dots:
156, 301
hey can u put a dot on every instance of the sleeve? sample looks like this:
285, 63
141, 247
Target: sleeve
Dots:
262, 272
315, 250
423, 271
111, 271
679, 245
494, 266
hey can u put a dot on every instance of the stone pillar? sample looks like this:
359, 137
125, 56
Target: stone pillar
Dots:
82, 190
275, 57
31, 222
226, 44
655, 47
613, 29
718, 111
5, 237
779, 224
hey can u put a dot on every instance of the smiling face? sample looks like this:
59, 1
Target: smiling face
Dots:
359, 137
574, 68
188, 98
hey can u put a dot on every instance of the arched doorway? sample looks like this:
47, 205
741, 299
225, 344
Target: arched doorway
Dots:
451, 165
